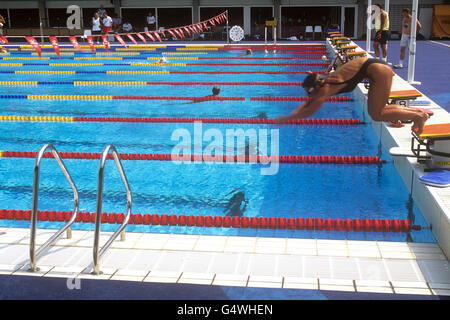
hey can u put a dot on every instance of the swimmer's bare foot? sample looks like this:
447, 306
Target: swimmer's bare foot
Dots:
419, 123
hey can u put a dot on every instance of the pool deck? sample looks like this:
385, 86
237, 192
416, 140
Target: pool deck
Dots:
389, 268
433, 202
300, 268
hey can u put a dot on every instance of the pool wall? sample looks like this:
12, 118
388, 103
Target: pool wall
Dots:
433, 202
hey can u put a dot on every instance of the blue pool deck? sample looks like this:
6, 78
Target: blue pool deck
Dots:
231, 267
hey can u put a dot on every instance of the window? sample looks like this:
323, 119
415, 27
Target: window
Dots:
174, 17
57, 17
137, 16
24, 18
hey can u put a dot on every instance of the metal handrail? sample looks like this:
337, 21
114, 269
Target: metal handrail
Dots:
34, 254
98, 254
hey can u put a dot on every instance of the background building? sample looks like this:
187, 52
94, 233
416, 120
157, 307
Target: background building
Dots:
293, 15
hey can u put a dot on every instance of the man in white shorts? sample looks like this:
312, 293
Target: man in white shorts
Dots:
406, 34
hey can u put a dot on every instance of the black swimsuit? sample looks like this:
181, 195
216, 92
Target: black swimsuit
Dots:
358, 77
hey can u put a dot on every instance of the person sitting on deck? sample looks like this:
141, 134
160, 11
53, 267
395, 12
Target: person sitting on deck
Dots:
345, 79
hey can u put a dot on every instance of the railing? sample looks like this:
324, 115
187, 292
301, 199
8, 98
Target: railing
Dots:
99, 253
34, 254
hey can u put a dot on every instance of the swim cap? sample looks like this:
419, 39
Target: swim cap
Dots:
312, 79
216, 90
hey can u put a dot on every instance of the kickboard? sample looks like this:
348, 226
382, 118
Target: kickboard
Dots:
401, 152
437, 178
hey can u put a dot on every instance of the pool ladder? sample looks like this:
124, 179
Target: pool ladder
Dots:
34, 254
97, 253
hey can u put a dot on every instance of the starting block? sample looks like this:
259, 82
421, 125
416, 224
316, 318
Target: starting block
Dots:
403, 97
355, 54
432, 146
435, 141
349, 48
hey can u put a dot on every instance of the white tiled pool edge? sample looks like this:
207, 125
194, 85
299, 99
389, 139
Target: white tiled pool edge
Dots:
434, 203
341, 265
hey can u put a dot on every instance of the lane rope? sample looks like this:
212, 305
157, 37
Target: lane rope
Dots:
181, 120
347, 160
317, 224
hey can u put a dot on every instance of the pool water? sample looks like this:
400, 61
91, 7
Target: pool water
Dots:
164, 187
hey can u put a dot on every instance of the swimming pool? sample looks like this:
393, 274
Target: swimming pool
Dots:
298, 190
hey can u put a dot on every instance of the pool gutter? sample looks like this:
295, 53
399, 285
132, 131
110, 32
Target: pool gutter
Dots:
433, 202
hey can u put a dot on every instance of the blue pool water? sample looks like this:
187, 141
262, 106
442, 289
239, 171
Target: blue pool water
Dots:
296, 190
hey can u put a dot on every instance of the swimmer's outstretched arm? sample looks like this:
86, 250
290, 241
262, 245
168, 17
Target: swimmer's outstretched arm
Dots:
305, 110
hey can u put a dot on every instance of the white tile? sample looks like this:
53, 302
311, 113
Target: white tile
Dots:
171, 261
437, 271
24, 271
65, 271
302, 251
336, 282
296, 285
257, 278
412, 291
270, 250
262, 265
239, 249
372, 283
195, 281
372, 269
8, 269
337, 288
332, 252
90, 276
227, 263
178, 244
403, 270
396, 255
131, 272
164, 274
127, 278
197, 275
364, 253
317, 267
441, 292
259, 284
440, 286
197, 262
374, 289
404, 284
231, 277
289, 266
344, 268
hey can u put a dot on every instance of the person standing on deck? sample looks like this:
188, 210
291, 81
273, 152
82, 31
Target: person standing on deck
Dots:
406, 34
382, 34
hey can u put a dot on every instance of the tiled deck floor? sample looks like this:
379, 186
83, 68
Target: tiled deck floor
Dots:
343, 265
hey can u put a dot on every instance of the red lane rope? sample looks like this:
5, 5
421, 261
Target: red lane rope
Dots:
221, 120
316, 64
358, 225
244, 72
207, 98
330, 99
230, 83
205, 158
317, 56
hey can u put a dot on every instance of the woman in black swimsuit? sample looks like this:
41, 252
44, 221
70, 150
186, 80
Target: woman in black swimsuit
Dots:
345, 79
